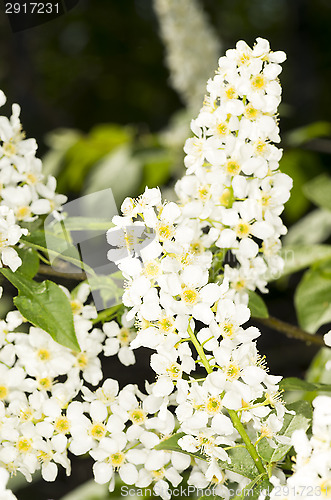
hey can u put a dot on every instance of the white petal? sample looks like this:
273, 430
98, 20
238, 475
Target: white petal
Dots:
102, 472
128, 473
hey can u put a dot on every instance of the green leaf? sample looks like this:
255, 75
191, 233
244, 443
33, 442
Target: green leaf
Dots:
257, 305
120, 170
255, 487
297, 384
241, 461
317, 372
156, 167
300, 420
313, 300
90, 149
30, 261
318, 191
56, 247
305, 134
311, 229
59, 141
298, 257
46, 306
171, 444
110, 288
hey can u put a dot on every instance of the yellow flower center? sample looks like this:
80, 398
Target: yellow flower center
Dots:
242, 229
203, 193
266, 432
227, 330
43, 354
3, 391
45, 383
44, 457
232, 371
31, 178
265, 200
158, 474
165, 232
82, 360
258, 82
244, 58
166, 324
231, 93
152, 269
124, 336
98, 431
23, 212
9, 148
76, 306
198, 143
213, 405
117, 459
190, 296
240, 284
232, 167
24, 445
260, 147
226, 198
62, 425
196, 247
222, 128
205, 441
26, 415
137, 416
250, 112
174, 371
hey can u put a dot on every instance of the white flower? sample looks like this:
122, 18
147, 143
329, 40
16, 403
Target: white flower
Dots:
118, 342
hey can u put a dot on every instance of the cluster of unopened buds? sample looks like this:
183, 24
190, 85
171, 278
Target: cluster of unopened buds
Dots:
185, 298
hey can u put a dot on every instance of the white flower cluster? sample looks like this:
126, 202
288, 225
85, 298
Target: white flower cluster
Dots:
5, 494
230, 199
24, 194
233, 185
190, 58
312, 467
231, 196
39, 380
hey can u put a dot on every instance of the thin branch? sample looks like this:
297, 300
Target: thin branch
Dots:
49, 271
291, 331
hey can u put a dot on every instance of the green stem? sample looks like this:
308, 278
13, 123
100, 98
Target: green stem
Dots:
291, 331
250, 447
49, 271
107, 314
200, 350
233, 415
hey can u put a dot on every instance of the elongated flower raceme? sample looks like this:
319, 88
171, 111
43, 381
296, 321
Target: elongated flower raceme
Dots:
230, 199
191, 59
233, 185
